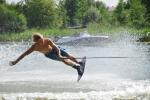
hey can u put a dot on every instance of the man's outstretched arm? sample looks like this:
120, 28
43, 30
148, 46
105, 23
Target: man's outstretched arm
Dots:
30, 50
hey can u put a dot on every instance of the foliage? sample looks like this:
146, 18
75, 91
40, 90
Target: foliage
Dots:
27, 34
106, 16
121, 13
147, 6
130, 13
82, 7
2, 1
39, 13
43, 14
92, 15
71, 9
62, 15
11, 21
137, 13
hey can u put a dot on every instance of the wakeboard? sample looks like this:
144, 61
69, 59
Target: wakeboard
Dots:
82, 67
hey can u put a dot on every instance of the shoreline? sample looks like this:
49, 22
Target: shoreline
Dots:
91, 29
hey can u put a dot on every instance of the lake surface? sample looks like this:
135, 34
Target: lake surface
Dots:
37, 77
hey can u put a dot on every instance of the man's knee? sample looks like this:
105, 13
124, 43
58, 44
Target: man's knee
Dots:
71, 56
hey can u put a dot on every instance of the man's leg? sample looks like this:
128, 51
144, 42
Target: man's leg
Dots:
72, 58
73, 65
70, 63
65, 54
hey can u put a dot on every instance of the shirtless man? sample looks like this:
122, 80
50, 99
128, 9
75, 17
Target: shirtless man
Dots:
50, 50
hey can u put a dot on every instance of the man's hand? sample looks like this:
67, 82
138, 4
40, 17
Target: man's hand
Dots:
11, 63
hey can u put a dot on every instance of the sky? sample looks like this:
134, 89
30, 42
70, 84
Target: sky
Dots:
109, 3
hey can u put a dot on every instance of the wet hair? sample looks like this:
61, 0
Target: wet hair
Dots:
37, 36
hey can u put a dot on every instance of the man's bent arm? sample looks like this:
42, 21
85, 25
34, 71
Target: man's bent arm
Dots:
57, 49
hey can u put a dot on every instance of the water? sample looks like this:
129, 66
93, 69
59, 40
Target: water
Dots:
39, 78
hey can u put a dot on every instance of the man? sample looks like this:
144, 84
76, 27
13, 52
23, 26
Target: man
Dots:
50, 50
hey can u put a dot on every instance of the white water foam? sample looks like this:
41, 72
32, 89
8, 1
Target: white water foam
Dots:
129, 94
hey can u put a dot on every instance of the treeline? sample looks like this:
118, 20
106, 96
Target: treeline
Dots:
69, 13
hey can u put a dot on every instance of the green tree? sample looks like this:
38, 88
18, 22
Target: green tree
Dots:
131, 13
106, 15
62, 14
82, 8
39, 13
11, 21
121, 13
71, 9
137, 13
76, 9
2, 1
92, 15
147, 5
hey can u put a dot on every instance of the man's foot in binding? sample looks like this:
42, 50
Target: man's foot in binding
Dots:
79, 69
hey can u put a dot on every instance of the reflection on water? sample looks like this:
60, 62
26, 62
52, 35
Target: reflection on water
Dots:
103, 77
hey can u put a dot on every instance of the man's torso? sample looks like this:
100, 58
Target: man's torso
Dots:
43, 46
